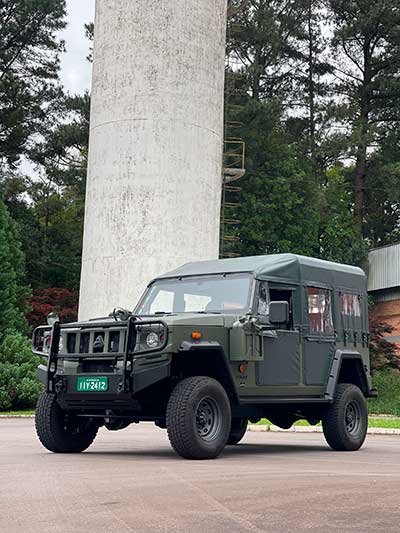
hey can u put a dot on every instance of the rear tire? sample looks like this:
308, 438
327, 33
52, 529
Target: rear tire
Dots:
59, 431
238, 430
198, 418
345, 423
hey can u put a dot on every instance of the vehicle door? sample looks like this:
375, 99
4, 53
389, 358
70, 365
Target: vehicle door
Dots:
319, 340
281, 349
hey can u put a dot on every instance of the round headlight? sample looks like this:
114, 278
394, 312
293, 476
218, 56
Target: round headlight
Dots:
152, 340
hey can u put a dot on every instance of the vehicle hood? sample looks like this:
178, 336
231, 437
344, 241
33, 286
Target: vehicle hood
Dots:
178, 319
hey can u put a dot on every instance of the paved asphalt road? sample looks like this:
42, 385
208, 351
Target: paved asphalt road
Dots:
132, 481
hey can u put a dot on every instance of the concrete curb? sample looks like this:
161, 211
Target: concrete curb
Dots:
11, 417
318, 429
266, 428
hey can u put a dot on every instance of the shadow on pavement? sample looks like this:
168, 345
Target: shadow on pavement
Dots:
269, 449
230, 451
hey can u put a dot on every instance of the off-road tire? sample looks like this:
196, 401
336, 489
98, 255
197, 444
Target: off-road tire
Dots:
345, 422
238, 430
186, 420
60, 432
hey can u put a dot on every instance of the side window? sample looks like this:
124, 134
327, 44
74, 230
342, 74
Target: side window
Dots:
350, 310
262, 306
350, 305
320, 311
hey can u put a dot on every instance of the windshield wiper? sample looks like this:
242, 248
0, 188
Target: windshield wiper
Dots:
207, 312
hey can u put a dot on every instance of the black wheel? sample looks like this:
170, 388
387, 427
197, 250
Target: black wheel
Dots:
238, 430
345, 423
61, 432
198, 418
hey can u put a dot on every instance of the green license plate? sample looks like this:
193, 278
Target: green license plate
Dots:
92, 384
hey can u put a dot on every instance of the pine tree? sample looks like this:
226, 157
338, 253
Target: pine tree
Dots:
263, 43
29, 63
367, 64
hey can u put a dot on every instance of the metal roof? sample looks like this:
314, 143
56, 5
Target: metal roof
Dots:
279, 267
384, 268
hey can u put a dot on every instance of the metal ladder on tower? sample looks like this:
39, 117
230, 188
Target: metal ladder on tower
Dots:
234, 147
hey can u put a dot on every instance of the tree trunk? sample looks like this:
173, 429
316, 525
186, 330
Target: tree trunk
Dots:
311, 88
359, 180
257, 74
362, 148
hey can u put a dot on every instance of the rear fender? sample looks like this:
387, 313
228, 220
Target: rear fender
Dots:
348, 367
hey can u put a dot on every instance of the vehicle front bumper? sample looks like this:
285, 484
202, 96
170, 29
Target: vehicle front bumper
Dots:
116, 398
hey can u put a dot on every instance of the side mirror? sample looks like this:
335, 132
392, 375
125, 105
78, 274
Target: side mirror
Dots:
279, 312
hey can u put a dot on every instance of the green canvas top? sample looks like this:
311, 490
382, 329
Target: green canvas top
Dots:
287, 268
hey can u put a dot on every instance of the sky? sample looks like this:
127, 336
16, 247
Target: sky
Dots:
75, 69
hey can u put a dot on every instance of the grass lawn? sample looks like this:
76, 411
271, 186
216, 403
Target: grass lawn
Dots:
388, 401
373, 423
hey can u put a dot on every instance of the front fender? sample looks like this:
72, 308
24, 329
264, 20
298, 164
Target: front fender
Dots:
209, 358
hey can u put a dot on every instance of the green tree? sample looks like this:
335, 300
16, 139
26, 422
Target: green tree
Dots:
339, 238
15, 188
262, 40
12, 293
382, 194
278, 209
49, 208
366, 47
29, 63
59, 193
310, 88
19, 388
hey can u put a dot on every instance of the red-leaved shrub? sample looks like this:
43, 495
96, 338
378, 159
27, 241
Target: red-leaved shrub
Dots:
43, 301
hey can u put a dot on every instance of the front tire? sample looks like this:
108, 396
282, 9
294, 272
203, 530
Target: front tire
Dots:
238, 430
59, 431
345, 423
198, 418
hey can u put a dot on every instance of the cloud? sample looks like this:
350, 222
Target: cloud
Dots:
75, 69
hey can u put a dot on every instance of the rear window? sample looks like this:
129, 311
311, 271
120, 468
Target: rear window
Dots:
320, 311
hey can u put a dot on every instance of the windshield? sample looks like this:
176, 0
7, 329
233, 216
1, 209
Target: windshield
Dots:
205, 294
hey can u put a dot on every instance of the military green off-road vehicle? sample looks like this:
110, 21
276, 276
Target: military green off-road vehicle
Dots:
209, 347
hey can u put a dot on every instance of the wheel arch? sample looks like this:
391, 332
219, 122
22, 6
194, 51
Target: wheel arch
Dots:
348, 367
205, 359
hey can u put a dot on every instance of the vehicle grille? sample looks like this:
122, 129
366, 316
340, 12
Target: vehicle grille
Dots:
109, 341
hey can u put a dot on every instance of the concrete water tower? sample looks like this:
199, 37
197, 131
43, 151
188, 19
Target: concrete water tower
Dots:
155, 164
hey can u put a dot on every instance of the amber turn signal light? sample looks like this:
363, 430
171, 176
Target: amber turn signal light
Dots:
196, 336
242, 368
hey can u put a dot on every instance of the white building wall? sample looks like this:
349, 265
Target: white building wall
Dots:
384, 268
154, 181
